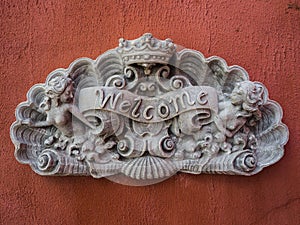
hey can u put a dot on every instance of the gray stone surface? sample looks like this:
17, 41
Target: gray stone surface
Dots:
144, 111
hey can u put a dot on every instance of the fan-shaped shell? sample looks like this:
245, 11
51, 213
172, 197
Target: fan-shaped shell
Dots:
149, 167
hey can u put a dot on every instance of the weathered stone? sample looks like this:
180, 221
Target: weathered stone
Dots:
144, 111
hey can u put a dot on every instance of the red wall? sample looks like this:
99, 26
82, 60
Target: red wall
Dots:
260, 35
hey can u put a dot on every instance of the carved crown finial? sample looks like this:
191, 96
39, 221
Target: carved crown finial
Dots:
106, 118
146, 49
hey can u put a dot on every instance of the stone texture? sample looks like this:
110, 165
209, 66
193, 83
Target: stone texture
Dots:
144, 111
262, 36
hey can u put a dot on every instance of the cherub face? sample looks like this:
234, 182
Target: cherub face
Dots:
238, 94
247, 92
67, 96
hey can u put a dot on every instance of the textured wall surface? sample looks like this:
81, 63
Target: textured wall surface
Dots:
262, 36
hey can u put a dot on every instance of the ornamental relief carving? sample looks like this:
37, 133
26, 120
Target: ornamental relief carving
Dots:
144, 111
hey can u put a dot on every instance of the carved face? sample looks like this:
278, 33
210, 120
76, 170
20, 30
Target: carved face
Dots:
67, 95
249, 94
238, 94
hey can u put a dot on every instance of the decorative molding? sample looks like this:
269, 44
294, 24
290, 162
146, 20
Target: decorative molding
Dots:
144, 111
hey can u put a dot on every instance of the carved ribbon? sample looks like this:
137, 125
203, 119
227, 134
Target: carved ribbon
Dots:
148, 109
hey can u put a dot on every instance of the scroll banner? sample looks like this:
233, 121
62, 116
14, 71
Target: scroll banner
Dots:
148, 109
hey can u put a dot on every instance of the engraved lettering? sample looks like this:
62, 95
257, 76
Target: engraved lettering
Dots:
134, 112
181, 98
125, 106
188, 98
110, 97
202, 100
163, 110
146, 111
138, 120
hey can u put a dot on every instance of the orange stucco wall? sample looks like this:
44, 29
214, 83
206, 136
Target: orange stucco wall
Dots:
38, 36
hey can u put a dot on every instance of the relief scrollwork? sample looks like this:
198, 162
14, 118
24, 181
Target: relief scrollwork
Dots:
144, 111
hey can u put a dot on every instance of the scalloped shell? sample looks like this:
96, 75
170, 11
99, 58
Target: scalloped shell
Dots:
149, 167
270, 132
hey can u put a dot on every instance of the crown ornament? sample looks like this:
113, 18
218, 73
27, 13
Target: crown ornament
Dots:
146, 50
183, 113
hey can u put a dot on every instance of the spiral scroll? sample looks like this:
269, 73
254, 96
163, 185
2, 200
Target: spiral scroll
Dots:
246, 161
51, 162
145, 111
240, 162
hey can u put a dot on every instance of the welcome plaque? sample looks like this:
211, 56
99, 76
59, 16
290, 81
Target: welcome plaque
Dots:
146, 110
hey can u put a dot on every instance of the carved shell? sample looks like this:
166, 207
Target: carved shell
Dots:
185, 68
270, 132
28, 139
51, 162
272, 135
148, 168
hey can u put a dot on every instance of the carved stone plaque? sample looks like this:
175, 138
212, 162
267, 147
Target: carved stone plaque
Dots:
146, 110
